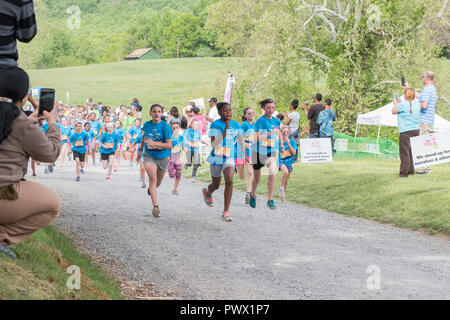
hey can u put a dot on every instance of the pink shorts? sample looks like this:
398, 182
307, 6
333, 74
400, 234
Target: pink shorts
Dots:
241, 162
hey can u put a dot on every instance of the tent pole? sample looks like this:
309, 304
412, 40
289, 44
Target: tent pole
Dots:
378, 138
356, 132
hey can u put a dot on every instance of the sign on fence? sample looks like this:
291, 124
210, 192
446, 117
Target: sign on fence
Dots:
430, 150
316, 150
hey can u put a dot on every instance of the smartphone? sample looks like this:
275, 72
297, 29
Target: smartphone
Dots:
46, 101
403, 81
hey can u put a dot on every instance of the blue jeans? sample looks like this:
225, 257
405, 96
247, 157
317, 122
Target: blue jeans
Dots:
332, 142
313, 135
294, 136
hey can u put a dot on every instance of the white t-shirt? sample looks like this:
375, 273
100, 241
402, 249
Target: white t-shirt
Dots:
214, 114
295, 121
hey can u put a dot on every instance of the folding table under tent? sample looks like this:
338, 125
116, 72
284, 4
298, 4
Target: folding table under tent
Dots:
383, 117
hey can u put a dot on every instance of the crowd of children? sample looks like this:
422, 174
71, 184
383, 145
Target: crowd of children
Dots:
169, 140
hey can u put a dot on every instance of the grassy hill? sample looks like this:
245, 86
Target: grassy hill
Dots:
169, 82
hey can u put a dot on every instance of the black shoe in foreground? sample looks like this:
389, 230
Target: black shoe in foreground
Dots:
5, 250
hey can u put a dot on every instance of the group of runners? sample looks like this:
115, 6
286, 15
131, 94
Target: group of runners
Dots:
162, 145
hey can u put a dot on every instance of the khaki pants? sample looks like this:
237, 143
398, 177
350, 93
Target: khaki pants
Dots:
36, 207
425, 129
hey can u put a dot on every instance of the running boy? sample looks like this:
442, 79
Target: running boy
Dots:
108, 145
224, 133
78, 141
248, 129
175, 168
267, 131
157, 139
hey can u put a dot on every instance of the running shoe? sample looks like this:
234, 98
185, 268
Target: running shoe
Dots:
144, 186
271, 205
7, 251
82, 171
34, 174
252, 202
175, 193
226, 217
131, 164
156, 212
193, 180
50, 168
78, 179
108, 178
208, 200
247, 198
282, 194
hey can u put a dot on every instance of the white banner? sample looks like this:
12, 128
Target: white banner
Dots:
200, 103
316, 150
430, 150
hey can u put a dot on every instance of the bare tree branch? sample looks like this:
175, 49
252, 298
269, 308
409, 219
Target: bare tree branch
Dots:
321, 56
332, 29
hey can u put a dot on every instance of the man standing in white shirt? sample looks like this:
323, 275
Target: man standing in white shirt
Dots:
213, 114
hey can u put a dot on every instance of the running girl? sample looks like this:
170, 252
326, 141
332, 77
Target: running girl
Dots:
95, 126
157, 139
121, 134
133, 133
65, 135
91, 145
175, 168
138, 143
108, 146
78, 141
192, 138
248, 128
288, 150
223, 133
267, 131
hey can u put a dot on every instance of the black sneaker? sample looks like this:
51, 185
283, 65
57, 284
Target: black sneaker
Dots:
7, 251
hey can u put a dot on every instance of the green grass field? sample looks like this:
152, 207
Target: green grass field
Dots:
169, 82
368, 189
40, 271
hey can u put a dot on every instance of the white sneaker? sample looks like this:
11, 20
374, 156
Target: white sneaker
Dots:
282, 194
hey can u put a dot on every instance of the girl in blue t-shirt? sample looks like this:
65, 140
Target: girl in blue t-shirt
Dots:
138, 143
65, 135
108, 145
121, 134
288, 149
132, 135
175, 167
78, 142
157, 140
224, 133
248, 129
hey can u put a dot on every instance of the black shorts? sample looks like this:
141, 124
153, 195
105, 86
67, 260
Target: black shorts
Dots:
81, 156
105, 156
259, 160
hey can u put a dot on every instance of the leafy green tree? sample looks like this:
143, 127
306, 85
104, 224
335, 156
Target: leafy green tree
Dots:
184, 29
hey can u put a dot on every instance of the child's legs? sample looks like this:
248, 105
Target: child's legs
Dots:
241, 172
77, 160
285, 175
142, 172
151, 169
272, 166
255, 181
111, 164
228, 193
63, 153
105, 164
178, 173
249, 168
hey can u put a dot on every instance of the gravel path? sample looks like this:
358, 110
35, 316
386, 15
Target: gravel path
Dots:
293, 253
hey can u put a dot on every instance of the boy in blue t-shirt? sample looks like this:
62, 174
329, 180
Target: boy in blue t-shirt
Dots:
108, 146
79, 141
224, 133
288, 149
325, 121
192, 140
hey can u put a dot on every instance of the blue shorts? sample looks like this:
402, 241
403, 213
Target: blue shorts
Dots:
290, 168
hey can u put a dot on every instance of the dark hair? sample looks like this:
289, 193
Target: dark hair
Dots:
174, 112
196, 110
318, 97
328, 101
280, 116
155, 106
244, 113
14, 85
266, 102
220, 105
294, 104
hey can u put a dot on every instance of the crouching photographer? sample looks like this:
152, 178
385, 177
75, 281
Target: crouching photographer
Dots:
25, 206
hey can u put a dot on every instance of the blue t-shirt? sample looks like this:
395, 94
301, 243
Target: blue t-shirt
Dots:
428, 95
177, 144
44, 126
408, 121
96, 126
158, 132
225, 151
79, 142
192, 139
265, 126
138, 142
134, 133
120, 133
110, 141
65, 134
249, 136
90, 133
286, 157
325, 120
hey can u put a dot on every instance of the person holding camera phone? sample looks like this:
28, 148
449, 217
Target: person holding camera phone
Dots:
25, 206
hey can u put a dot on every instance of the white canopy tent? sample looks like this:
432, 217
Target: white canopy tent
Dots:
383, 117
